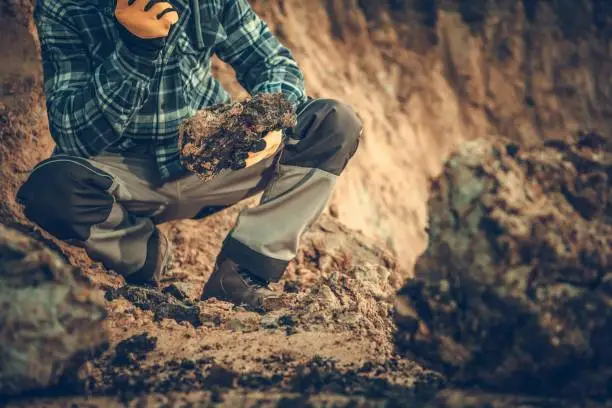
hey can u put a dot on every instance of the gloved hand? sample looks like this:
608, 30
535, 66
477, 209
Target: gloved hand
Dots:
145, 24
235, 136
264, 148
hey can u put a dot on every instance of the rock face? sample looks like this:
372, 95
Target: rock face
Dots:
24, 135
427, 75
50, 319
514, 291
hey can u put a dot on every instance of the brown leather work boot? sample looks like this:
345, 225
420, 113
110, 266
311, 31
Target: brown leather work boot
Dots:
159, 254
235, 284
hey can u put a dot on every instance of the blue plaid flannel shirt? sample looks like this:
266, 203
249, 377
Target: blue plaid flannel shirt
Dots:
100, 96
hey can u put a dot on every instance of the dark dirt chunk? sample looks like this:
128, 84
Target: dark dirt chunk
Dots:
219, 376
188, 364
290, 323
221, 137
130, 351
176, 292
287, 320
162, 305
292, 286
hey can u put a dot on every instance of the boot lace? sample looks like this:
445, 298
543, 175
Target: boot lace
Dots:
252, 280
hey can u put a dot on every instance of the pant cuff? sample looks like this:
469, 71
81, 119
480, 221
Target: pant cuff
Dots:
262, 266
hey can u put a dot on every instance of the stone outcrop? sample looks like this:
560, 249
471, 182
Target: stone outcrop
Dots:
514, 291
51, 318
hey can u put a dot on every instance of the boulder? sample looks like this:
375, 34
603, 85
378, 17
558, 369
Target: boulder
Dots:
51, 318
514, 291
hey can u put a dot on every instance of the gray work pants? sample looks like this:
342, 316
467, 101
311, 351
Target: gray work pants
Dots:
110, 204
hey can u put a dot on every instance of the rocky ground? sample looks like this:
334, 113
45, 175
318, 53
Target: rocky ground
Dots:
333, 343
51, 317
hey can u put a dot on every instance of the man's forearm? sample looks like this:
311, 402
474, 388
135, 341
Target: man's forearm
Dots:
261, 62
278, 73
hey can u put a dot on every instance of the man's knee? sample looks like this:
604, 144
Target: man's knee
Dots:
326, 136
66, 196
343, 126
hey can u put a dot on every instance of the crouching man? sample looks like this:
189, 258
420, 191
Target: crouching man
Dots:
120, 77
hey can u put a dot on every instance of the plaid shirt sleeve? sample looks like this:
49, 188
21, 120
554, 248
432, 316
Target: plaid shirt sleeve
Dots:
88, 107
262, 64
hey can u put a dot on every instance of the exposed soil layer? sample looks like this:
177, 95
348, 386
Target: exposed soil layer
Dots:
221, 137
513, 292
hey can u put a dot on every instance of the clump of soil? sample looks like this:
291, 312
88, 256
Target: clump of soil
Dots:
514, 291
340, 281
222, 136
51, 317
129, 351
163, 305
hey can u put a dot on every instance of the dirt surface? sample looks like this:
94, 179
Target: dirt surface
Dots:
334, 340
513, 292
222, 137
